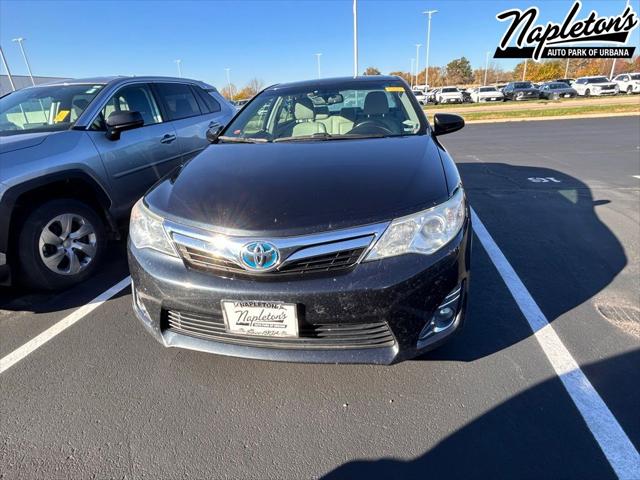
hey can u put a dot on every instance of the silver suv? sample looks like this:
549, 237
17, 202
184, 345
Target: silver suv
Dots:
75, 157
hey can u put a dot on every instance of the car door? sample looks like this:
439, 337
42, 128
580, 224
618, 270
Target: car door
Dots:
140, 157
189, 114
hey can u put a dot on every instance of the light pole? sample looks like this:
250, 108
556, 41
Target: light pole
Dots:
413, 61
566, 70
355, 38
179, 63
486, 68
24, 55
229, 83
524, 70
426, 67
6, 67
418, 45
318, 55
613, 65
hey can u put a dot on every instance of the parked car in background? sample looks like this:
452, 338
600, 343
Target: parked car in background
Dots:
628, 82
568, 81
248, 251
500, 86
556, 90
466, 95
520, 91
486, 94
420, 95
240, 103
74, 158
587, 86
431, 95
448, 95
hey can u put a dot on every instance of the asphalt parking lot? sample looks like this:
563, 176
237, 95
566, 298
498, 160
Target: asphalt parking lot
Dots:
560, 200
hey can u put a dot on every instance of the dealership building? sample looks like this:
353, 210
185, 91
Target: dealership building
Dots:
21, 81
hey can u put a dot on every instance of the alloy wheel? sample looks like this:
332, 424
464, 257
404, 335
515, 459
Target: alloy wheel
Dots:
67, 244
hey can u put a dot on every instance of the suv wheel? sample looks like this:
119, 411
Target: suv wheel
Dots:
587, 93
61, 244
629, 90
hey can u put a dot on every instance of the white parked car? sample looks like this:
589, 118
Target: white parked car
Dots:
587, 86
486, 94
448, 95
628, 82
420, 96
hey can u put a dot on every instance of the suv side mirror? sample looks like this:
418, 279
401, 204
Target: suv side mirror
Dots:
213, 132
118, 122
447, 123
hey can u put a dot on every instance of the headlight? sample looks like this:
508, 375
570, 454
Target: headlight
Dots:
146, 230
423, 232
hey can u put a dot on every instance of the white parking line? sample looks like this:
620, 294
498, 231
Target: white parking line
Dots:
616, 446
635, 176
21, 352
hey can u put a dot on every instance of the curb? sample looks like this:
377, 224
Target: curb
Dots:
557, 117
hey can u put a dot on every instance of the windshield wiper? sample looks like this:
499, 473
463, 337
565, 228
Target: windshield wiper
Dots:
242, 139
302, 138
328, 136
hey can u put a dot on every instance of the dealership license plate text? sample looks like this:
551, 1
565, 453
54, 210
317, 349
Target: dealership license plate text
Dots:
269, 319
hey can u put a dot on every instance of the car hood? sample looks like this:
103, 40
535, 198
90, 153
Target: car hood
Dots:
11, 143
303, 187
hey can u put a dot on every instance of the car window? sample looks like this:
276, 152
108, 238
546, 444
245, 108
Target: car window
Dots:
449, 90
635, 76
43, 109
210, 104
132, 98
179, 100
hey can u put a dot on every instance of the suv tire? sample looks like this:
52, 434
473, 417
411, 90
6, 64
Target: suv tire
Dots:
60, 244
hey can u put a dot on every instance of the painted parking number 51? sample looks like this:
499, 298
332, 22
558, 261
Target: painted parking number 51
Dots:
543, 179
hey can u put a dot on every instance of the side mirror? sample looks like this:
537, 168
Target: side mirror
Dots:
447, 123
213, 132
118, 122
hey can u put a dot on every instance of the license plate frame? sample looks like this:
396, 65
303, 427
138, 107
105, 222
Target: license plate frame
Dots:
261, 318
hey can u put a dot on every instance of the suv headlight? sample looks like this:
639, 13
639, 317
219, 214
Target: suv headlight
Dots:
146, 230
424, 232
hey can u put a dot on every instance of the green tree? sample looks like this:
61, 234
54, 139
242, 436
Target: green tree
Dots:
372, 71
459, 71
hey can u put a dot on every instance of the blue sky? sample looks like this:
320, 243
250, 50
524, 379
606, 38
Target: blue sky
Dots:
272, 40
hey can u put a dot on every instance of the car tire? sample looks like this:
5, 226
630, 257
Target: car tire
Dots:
587, 93
61, 244
555, 96
629, 90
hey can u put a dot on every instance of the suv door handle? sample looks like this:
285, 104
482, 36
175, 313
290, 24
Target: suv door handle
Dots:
168, 138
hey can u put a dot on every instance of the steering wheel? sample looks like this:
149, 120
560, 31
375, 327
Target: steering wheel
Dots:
370, 126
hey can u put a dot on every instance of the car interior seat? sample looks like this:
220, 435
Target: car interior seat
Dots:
376, 109
305, 116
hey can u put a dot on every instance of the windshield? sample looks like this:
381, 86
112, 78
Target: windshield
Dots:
44, 109
487, 89
346, 110
598, 80
450, 90
522, 85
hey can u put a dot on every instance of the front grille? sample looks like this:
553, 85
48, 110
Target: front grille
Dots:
318, 336
205, 261
324, 263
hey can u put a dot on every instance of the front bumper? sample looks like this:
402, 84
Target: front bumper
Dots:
402, 291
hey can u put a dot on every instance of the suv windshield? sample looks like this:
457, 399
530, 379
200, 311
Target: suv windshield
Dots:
328, 112
487, 89
44, 109
523, 85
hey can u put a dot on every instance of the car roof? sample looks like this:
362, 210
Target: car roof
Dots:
331, 82
114, 80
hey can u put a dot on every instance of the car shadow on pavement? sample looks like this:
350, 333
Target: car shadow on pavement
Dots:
549, 231
495, 445
113, 269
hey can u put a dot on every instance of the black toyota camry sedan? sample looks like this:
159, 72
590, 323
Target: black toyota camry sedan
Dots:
325, 223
